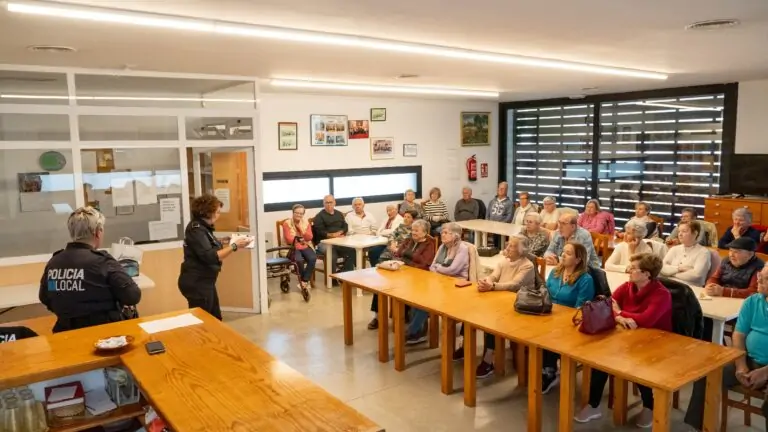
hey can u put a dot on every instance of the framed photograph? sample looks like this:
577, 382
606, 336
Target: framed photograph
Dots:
358, 129
287, 136
378, 114
382, 148
410, 150
31, 182
475, 129
328, 130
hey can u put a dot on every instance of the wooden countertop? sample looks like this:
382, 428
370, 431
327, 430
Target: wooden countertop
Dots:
209, 379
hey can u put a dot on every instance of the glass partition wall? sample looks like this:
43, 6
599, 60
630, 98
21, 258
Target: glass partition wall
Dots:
137, 146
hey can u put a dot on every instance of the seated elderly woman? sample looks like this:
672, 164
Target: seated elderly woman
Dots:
737, 276
410, 204
452, 259
298, 232
634, 243
512, 274
742, 227
689, 261
642, 302
550, 214
642, 215
435, 211
386, 229
686, 215
596, 220
569, 284
538, 238
396, 239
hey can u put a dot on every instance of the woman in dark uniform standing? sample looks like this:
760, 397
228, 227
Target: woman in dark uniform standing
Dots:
203, 254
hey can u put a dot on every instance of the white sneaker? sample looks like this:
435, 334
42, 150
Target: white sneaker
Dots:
588, 414
644, 420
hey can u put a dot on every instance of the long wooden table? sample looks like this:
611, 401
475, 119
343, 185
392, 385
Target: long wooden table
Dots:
482, 227
358, 242
209, 379
660, 360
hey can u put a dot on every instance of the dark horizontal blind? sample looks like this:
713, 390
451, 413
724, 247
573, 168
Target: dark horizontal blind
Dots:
552, 153
665, 152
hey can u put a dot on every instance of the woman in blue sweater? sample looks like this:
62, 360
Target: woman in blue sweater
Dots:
569, 284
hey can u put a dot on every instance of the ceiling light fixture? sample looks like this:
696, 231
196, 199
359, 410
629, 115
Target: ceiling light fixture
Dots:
679, 106
124, 98
714, 24
436, 91
57, 49
61, 10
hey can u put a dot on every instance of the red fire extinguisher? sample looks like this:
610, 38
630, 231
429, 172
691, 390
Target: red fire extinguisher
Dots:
472, 168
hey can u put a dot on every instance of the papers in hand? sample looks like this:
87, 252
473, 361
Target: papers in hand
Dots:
237, 236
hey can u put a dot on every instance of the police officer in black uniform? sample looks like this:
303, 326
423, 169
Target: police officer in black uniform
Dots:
82, 285
203, 254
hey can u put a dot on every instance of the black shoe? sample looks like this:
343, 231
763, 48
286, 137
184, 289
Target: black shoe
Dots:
484, 370
415, 339
548, 381
374, 324
458, 355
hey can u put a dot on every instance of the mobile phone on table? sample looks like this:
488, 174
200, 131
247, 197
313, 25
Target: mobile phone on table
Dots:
155, 347
460, 283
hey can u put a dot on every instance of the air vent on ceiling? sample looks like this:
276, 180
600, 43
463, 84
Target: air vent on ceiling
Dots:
407, 76
713, 24
51, 49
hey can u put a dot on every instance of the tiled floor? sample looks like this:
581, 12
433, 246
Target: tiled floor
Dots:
309, 338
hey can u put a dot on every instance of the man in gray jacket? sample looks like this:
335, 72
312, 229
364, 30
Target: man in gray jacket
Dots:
500, 209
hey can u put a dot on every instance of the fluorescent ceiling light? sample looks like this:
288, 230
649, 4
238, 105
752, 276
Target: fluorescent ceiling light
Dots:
62, 10
679, 106
382, 88
124, 98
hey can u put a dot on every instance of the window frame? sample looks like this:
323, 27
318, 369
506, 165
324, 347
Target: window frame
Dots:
331, 174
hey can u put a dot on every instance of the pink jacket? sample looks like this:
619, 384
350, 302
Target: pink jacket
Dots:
601, 223
289, 236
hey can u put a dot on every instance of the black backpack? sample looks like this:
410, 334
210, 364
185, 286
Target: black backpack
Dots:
601, 281
481, 209
687, 317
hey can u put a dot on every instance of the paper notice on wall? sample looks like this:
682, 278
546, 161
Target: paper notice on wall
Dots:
159, 230
170, 210
223, 196
452, 164
146, 191
122, 192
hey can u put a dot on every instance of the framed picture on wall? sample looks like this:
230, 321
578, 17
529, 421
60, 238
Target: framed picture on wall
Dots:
378, 114
287, 136
410, 150
475, 129
382, 148
328, 130
358, 129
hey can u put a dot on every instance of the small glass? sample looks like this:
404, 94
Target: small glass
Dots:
11, 415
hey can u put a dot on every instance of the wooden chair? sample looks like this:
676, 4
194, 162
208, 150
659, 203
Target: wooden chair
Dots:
601, 242
745, 404
762, 256
659, 224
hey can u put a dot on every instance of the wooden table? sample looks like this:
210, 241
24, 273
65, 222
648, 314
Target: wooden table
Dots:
358, 242
209, 379
482, 227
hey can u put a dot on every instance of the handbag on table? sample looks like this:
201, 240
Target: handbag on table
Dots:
596, 316
533, 301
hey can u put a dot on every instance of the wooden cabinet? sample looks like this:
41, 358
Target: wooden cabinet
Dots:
719, 210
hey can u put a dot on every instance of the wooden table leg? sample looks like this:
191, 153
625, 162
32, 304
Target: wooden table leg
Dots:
398, 316
712, 400
586, 380
662, 407
499, 356
470, 360
359, 254
446, 355
620, 401
329, 266
434, 330
534, 388
383, 317
567, 392
346, 295
520, 365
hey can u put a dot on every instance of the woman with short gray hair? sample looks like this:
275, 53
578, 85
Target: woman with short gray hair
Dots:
82, 285
634, 233
538, 239
409, 204
742, 227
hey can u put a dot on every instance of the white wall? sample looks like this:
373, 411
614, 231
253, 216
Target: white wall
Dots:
752, 120
432, 124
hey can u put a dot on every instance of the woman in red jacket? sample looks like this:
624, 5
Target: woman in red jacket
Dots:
642, 302
417, 250
299, 230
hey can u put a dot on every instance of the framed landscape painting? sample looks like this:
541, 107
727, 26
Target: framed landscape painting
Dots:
328, 130
475, 129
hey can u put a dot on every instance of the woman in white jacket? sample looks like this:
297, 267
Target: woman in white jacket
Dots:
689, 261
634, 235
387, 227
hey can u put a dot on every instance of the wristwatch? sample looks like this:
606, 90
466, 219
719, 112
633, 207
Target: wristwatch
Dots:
233, 246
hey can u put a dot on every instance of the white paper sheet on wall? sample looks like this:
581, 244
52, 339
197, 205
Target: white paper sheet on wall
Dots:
223, 196
122, 193
170, 210
159, 230
146, 191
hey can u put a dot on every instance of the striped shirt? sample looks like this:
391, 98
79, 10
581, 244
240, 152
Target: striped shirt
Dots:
435, 211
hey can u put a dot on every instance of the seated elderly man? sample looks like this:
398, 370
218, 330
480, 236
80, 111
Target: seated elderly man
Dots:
538, 238
550, 214
737, 276
467, 207
742, 227
330, 223
358, 221
688, 214
751, 371
568, 230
